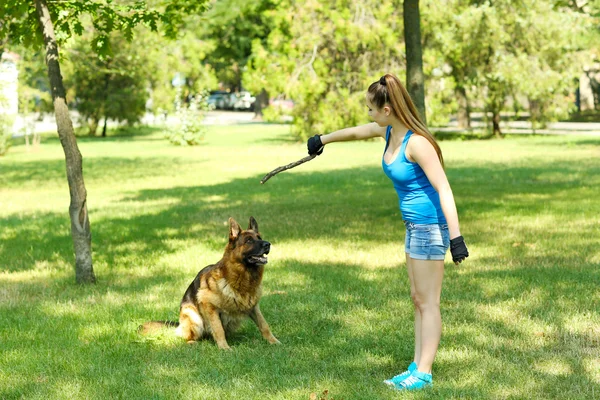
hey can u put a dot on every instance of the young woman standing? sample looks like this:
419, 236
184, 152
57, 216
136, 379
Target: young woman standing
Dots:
413, 161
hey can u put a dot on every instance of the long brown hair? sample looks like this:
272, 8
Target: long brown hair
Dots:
396, 96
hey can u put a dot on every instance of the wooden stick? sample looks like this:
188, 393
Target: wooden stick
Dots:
286, 167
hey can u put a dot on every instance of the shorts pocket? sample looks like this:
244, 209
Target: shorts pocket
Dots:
420, 238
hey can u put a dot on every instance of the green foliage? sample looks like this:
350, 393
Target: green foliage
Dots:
94, 95
323, 56
231, 27
275, 114
186, 57
506, 49
113, 87
552, 57
114, 78
6, 124
189, 130
317, 53
34, 89
440, 101
19, 19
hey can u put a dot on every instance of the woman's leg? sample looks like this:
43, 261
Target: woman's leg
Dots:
409, 269
427, 278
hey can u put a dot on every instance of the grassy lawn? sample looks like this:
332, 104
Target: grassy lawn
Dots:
521, 314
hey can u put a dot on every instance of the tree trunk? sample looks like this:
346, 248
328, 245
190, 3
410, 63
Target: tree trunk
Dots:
80, 223
92, 125
2, 41
104, 127
534, 113
262, 101
106, 84
464, 110
496, 123
415, 80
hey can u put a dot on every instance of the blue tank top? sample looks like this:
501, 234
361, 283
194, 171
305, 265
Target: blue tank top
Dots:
419, 202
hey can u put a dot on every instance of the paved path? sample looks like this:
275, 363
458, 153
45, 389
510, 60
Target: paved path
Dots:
47, 124
522, 127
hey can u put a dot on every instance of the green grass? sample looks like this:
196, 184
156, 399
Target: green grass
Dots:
520, 315
585, 116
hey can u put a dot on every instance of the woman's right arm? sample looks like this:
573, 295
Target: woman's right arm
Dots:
361, 132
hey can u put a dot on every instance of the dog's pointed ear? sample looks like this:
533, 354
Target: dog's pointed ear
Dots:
234, 229
253, 225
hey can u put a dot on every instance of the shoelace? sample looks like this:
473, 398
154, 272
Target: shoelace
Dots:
399, 375
411, 380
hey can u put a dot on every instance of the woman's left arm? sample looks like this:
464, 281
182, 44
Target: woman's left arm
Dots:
419, 150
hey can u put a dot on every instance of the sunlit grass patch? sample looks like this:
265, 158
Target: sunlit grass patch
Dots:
520, 315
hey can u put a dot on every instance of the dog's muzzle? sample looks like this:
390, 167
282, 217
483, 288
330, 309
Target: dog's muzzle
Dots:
261, 257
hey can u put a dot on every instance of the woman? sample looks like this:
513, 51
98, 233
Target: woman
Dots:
413, 161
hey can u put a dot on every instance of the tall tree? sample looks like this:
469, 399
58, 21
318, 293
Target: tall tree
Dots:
18, 20
80, 223
415, 79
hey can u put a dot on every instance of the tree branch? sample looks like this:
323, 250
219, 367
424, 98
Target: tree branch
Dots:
286, 167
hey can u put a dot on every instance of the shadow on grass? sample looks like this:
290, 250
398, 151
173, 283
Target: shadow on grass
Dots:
337, 321
289, 204
117, 169
478, 134
123, 134
522, 314
585, 116
88, 339
579, 142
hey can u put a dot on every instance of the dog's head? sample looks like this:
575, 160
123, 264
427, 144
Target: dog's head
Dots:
247, 246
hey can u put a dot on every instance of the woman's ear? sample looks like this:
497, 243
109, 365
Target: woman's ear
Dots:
387, 111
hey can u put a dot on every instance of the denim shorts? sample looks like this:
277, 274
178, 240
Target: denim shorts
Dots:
427, 241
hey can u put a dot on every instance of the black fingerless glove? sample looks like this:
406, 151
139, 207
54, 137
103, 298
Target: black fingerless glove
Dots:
458, 248
314, 145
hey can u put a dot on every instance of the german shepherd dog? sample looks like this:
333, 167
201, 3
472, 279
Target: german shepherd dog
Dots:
225, 293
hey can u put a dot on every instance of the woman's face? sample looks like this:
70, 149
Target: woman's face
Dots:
381, 117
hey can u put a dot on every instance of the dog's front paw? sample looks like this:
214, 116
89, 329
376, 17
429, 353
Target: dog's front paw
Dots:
224, 346
273, 340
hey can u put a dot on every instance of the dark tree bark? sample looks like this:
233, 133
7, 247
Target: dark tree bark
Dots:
104, 127
464, 109
496, 123
2, 41
262, 101
104, 106
80, 223
92, 123
415, 80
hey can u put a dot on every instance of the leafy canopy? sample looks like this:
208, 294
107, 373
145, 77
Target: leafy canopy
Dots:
19, 21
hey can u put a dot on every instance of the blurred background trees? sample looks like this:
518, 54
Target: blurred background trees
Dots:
313, 61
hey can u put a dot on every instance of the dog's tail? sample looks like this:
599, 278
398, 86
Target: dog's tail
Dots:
153, 326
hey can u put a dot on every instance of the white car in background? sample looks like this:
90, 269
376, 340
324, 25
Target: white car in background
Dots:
242, 101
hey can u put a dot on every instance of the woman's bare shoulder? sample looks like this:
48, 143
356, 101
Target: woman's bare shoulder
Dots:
377, 130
